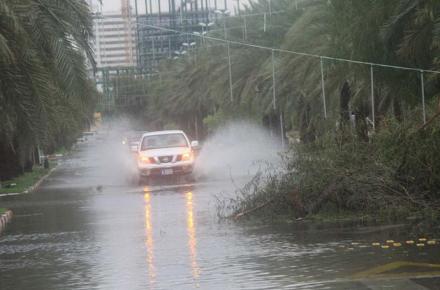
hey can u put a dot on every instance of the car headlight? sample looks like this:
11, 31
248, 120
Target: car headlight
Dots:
144, 159
188, 156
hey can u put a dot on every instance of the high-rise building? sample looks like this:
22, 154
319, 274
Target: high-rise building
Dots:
128, 43
114, 45
183, 16
115, 40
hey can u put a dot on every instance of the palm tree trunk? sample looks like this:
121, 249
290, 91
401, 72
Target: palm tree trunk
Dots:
9, 163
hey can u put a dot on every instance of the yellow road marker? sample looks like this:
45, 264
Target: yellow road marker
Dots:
397, 244
385, 247
391, 270
410, 242
431, 242
390, 241
375, 244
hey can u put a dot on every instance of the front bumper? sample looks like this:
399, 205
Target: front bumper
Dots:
180, 169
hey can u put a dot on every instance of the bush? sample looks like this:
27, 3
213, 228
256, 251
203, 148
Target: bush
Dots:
395, 172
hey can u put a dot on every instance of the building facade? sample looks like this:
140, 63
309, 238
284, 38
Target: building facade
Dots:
115, 40
183, 16
128, 44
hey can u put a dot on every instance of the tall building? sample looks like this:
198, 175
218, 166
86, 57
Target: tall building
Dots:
115, 48
115, 40
128, 44
186, 16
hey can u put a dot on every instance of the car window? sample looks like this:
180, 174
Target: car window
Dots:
163, 141
136, 136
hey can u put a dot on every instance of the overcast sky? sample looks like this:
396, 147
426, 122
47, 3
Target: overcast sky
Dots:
115, 5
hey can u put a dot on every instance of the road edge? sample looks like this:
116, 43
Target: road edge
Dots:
34, 187
40, 181
5, 218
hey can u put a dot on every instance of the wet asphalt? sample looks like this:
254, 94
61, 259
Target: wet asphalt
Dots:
90, 227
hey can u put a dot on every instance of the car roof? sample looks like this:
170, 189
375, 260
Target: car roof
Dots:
164, 132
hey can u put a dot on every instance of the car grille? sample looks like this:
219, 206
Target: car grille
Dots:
165, 159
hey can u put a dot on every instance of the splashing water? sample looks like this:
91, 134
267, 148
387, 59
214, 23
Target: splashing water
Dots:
101, 160
239, 149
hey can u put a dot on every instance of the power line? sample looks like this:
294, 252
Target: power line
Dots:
148, 18
239, 43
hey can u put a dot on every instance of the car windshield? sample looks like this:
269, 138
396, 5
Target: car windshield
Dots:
135, 136
163, 141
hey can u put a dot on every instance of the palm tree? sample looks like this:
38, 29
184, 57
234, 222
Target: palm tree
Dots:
45, 95
397, 32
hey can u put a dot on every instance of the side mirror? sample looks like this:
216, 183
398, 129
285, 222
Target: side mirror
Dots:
195, 145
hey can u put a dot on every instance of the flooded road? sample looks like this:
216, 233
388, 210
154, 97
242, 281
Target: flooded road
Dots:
80, 232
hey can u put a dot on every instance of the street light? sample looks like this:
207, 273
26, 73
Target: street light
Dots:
203, 24
205, 27
189, 46
179, 53
200, 34
223, 13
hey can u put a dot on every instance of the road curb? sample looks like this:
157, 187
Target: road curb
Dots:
5, 219
39, 182
33, 187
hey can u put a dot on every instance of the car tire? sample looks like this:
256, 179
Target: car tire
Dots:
144, 180
189, 178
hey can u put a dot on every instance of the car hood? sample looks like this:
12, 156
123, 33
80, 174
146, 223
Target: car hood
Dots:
164, 151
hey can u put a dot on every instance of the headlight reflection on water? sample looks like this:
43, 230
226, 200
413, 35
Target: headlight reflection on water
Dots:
149, 237
191, 232
192, 238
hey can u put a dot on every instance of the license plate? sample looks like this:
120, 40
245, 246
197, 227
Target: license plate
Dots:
167, 171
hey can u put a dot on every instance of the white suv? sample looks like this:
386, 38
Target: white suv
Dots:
165, 153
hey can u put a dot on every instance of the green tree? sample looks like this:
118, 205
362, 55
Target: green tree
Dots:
46, 97
394, 32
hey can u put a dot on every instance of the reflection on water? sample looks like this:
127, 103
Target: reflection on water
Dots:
191, 233
165, 237
149, 238
192, 239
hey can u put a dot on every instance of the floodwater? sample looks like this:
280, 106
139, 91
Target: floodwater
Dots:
88, 227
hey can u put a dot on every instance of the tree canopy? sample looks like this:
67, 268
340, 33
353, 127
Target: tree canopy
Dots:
46, 97
395, 32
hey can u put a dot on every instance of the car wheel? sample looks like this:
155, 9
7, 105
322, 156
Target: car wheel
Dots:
190, 178
144, 180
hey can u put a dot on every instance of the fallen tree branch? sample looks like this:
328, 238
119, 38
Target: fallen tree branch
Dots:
246, 212
324, 196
